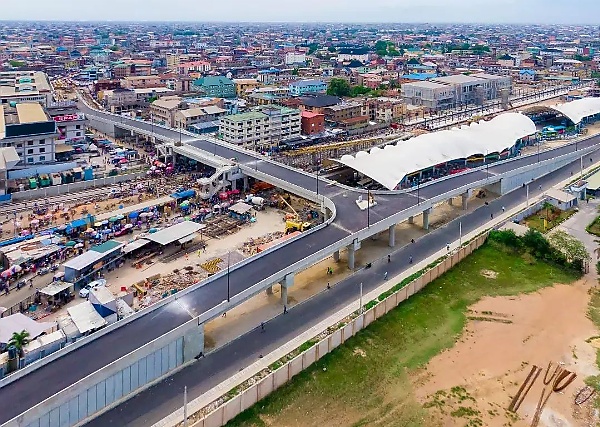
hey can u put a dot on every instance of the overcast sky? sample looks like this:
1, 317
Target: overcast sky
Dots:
484, 11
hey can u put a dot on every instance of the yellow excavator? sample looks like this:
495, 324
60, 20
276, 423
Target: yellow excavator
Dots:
293, 222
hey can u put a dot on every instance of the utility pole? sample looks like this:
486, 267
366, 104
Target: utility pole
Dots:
527, 194
228, 263
460, 235
368, 208
185, 402
360, 304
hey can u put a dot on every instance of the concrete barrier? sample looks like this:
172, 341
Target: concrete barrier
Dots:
285, 373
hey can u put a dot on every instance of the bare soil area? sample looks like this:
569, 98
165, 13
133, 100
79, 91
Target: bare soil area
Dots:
472, 383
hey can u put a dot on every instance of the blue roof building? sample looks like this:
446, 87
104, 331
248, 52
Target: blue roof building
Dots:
303, 87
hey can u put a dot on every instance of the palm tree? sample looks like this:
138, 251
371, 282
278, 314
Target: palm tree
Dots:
19, 340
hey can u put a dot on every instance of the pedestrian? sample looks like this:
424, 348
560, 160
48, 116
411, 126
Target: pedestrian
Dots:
389, 259
328, 286
410, 260
385, 275
491, 216
262, 327
412, 240
503, 209
540, 187
224, 314
285, 309
448, 247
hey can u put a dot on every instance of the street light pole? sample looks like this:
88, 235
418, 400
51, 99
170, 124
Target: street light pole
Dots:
228, 259
527, 194
185, 407
368, 208
360, 304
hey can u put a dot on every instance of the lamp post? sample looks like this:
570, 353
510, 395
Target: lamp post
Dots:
318, 170
228, 262
360, 298
368, 208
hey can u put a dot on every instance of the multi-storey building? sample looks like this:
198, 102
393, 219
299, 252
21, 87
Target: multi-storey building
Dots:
162, 111
262, 128
242, 86
303, 87
217, 86
199, 119
312, 123
295, 58
29, 129
428, 94
70, 122
25, 86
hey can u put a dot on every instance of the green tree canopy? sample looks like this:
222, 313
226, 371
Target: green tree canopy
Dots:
19, 340
338, 87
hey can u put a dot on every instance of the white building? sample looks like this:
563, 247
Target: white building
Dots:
434, 96
25, 86
262, 128
30, 131
70, 123
293, 58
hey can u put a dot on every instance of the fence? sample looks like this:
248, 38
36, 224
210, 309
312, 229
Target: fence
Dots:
261, 389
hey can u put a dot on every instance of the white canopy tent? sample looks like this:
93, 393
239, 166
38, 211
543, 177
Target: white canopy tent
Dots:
579, 109
390, 164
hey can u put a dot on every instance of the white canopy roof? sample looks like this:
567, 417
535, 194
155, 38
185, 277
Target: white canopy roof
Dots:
390, 164
579, 109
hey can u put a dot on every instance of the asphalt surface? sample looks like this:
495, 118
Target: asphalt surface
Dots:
155, 403
27, 392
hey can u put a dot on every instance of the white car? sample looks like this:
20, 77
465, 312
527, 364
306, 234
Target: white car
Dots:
85, 289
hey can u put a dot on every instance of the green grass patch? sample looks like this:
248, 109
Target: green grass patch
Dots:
371, 387
594, 227
552, 215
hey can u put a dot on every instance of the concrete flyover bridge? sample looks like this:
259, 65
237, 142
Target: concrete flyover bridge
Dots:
85, 378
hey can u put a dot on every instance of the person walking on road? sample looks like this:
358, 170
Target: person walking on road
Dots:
285, 309
448, 247
503, 209
385, 275
389, 259
410, 260
262, 327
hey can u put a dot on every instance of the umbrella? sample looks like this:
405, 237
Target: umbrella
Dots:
112, 219
6, 273
152, 230
128, 226
98, 224
35, 221
187, 218
78, 245
16, 268
90, 230
70, 244
104, 222
185, 204
106, 231
133, 215
120, 217
62, 228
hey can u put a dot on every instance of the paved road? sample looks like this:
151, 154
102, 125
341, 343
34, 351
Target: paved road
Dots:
25, 393
166, 397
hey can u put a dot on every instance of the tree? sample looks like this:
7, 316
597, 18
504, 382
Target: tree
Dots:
573, 249
19, 340
312, 48
295, 72
359, 90
338, 87
331, 49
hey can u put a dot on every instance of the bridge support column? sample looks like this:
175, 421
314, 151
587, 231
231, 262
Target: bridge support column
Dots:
245, 183
351, 257
285, 284
336, 256
411, 219
270, 290
392, 236
426, 213
465, 199
193, 343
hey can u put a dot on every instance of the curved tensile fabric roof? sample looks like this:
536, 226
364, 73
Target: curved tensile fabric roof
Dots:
389, 165
579, 109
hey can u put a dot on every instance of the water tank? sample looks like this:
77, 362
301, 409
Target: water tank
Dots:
12, 352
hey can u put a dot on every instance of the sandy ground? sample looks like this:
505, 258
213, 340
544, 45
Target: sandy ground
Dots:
493, 358
504, 338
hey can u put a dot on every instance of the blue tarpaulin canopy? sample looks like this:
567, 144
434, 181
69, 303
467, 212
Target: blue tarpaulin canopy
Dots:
133, 215
78, 223
184, 194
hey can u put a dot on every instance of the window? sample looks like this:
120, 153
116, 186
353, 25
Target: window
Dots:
42, 141
42, 150
29, 159
77, 126
19, 145
42, 158
29, 142
30, 151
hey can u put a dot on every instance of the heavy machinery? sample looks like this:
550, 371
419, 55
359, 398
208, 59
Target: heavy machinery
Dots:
292, 221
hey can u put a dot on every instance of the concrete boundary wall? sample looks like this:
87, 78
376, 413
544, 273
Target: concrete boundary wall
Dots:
233, 407
57, 190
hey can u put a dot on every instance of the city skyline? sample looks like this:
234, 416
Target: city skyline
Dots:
375, 11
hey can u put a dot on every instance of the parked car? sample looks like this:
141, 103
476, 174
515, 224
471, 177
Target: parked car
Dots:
123, 232
85, 289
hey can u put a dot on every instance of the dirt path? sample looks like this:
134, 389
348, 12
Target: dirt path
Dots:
473, 383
